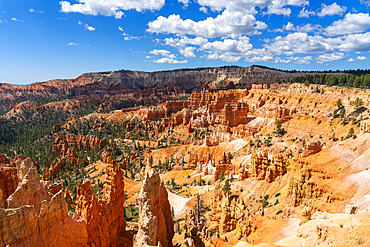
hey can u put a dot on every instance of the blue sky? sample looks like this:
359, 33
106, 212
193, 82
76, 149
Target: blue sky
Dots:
45, 39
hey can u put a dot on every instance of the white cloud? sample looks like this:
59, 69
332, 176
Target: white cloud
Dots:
15, 19
331, 57
185, 2
110, 7
361, 58
352, 23
354, 42
276, 30
280, 60
301, 60
203, 9
305, 13
228, 24
366, 2
159, 52
188, 51
36, 11
90, 28
186, 41
278, 6
304, 28
169, 60
331, 10
350, 60
87, 27
72, 43
257, 59
231, 50
120, 28
246, 6
298, 43
128, 38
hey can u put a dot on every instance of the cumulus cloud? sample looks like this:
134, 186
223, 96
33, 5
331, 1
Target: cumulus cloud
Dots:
110, 7
304, 28
231, 50
169, 60
187, 51
298, 43
183, 41
185, 2
301, 60
246, 6
305, 13
160, 52
277, 7
331, 57
331, 10
72, 43
228, 24
361, 58
350, 60
203, 9
353, 42
352, 23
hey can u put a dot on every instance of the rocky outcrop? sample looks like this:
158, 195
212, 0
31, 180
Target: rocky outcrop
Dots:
23, 164
224, 166
196, 234
234, 114
56, 129
53, 226
106, 155
4, 159
55, 167
61, 143
8, 182
29, 192
301, 190
311, 148
155, 220
267, 169
230, 213
33, 217
104, 216
306, 213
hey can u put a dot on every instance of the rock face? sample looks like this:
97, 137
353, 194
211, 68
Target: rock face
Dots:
300, 189
196, 234
265, 169
32, 216
106, 154
311, 148
4, 159
104, 216
51, 227
306, 213
38, 216
223, 165
29, 192
8, 181
230, 213
155, 220
61, 143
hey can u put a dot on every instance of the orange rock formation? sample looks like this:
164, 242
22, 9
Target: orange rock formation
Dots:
155, 220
